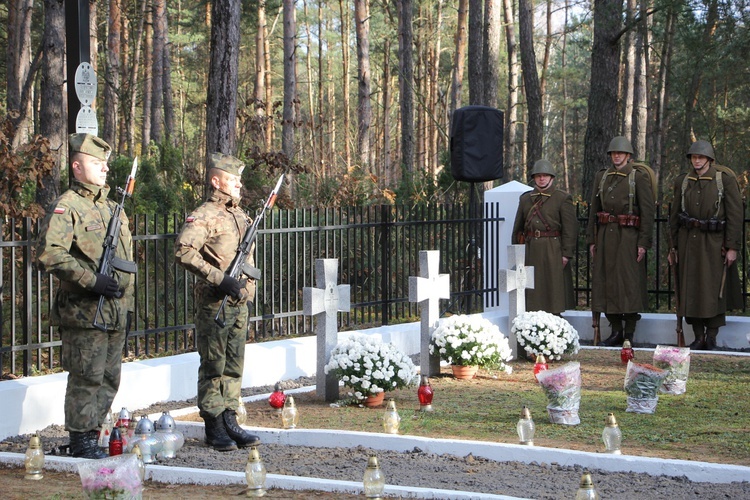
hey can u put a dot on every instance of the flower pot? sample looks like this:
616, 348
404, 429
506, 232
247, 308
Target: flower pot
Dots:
374, 400
464, 372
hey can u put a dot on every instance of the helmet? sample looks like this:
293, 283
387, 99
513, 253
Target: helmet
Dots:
701, 147
543, 167
621, 144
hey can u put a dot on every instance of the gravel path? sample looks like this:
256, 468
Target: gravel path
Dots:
416, 468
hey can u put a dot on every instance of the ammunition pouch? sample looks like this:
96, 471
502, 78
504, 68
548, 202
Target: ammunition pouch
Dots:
706, 225
621, 220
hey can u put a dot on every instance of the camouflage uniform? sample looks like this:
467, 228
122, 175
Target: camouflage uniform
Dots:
70, 247
206, 247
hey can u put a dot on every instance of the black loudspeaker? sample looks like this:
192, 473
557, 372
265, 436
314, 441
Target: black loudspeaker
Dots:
477, 144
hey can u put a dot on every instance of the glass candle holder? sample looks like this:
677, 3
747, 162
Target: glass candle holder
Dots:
525, 428
255, 474
391, 418
612, 436
34, 459
425, 394
373, 481
586, 490
289, 414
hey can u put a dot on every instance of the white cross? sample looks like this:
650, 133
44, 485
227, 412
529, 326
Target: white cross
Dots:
324, 302
427, 289
515, 280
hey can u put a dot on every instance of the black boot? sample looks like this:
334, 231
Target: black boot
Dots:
237, 433
711, 334
86, 445
699, 343
615, 339
216, 434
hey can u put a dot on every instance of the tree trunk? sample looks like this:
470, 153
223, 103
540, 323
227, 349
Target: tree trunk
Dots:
476, 48
270, 122
364, 107
385, 175
112, 75
531, 81
221, 100
53, 119
344, 11
320, 166
640, 92
406, 81
148, 90
605, 59
630, 40
259, 87
491, 52
290, 79
564, 117
511, 113
169, 122
18, 71
699, 55
459, 56
438, 116
311, 139
661, 125
547, 49
157, 71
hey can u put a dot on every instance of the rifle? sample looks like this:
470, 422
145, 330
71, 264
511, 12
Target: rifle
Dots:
596, 316
109, 262
676, 279
239, 266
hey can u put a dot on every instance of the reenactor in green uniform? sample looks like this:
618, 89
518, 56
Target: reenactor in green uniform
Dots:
70, 247
206, 247
621, 220
546, 223
706, 230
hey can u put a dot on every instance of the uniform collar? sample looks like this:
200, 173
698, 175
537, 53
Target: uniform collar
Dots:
223, 198
90, 191
626, 169
546, 192
709, 174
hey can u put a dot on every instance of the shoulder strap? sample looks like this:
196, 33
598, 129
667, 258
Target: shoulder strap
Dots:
682, 194
720, 188
631, 191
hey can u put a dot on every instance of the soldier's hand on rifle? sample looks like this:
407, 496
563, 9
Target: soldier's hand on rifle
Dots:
641, 254
672, 257
592, 250
106, 286
231, 286
730, 257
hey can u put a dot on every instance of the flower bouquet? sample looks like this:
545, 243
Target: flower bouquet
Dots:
677, 361
540, 332
370, 366
563, 389
471, 341
642, 383
115, 477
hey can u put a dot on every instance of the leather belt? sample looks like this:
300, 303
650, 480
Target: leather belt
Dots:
542, 234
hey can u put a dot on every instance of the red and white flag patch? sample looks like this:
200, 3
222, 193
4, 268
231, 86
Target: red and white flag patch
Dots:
59, 210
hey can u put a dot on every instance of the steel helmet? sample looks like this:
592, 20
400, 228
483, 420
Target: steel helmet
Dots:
543, 167
701, 147
621, 144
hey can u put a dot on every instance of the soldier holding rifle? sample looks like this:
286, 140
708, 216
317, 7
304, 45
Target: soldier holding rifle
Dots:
206, 247
706, 228
71, 244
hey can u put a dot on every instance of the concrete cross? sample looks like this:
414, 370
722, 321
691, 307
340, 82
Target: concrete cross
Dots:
515, 280
325, 301
427, 289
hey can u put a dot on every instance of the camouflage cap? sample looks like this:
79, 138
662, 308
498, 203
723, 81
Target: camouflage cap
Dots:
227, 163
90, 145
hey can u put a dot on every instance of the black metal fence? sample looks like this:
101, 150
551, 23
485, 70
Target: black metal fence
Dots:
377, 248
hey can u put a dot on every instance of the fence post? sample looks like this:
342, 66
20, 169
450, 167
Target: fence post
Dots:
385, 259
27, 291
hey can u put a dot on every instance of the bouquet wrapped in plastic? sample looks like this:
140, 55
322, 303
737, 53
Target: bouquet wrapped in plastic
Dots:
116, 478
563, 389
642, 383
676, 360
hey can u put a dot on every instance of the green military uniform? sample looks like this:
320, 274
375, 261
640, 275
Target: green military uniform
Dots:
206, 247
618, 280
703, 226
546, 222
70, 247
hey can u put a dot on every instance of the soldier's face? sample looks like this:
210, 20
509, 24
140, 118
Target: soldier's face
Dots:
227, 183
700, 163
543, 180
90, 170
619, 158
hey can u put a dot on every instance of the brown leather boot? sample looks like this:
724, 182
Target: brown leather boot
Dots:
699, 343
711, 334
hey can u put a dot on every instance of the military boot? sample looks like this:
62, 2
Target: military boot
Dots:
86, 445
711, 334
700, 338
615, 339
216, 434
237, 433
615, 322
630, 322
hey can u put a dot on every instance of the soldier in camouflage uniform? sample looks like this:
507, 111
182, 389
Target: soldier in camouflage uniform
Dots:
206, 247
621, 220
70, 247
706, 230
546, 223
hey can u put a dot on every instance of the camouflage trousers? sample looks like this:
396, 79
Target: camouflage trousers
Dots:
222, 358
93, 360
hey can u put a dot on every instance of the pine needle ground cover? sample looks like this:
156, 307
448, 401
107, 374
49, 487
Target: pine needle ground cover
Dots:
710, 422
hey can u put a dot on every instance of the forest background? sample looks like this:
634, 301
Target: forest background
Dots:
353, 99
